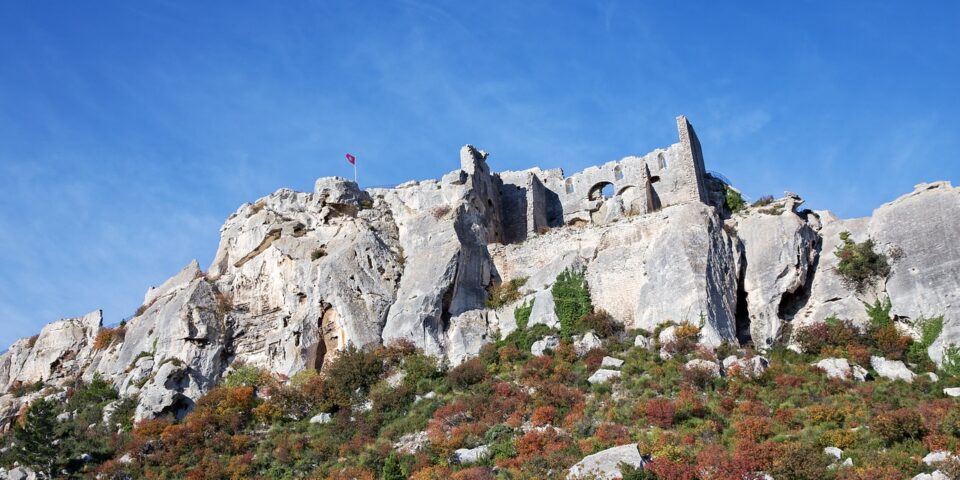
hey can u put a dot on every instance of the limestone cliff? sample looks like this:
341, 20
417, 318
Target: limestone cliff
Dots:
298, 276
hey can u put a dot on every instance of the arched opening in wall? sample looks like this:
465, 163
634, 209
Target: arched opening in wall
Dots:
632, 201
600, 191
568, 185
617, 173
662, 161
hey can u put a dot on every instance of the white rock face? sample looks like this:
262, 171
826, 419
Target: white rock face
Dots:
936, 475
603, 375
606, 464
779, 251
891, 369
952, 392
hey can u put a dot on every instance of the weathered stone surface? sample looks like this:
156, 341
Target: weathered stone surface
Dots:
752, 367
464, 456
840, 368
779, 251
586, 342
922, 228
606, 464
540, 346
704, 365
933, 458
610, 362
412, 443
642, 342
952, 392
321, 418
603, 375
61, 351
891, 369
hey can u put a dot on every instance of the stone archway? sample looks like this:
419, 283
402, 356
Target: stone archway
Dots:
600, 191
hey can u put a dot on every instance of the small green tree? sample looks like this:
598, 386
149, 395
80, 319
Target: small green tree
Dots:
522, 314
392, 468
34, 439
571, 300
734, 200
860, 266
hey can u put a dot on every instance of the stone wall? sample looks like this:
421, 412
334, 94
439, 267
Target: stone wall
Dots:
599, 194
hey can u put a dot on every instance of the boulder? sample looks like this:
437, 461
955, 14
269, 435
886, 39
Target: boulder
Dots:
840, 368
752, 367
833, 452
952, 392
603, 375
704, 365
934, 458
321, 418
936, 475
412, 443
586, 342
610, 362
464, 456
642, 342
606, 464
891, 369
550, 342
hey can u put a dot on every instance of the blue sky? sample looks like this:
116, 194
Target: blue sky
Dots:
130, 130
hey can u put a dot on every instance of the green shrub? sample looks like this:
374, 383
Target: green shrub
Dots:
860, 266
35, 441
879, 312
523, 339
505, 293
244, 375
734, 200
571, 300
930, 329
522, 314
763, 201
951, 361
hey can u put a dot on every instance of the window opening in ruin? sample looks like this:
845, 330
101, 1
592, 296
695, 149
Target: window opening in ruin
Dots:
617, 173
569, 185
662, 160
600, 191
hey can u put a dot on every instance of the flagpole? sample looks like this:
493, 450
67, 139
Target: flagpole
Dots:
355, 173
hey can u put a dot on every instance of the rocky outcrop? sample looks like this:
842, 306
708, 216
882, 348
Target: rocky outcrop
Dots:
298, 276
780, 250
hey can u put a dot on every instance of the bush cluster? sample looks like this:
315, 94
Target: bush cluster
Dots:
860, 266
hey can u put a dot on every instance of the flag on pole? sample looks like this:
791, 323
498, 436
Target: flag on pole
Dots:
351, 159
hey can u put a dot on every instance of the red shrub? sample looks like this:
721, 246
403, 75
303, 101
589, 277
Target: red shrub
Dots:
665, 469
660, 412
715, 463
753, 428
543, 415
474, 473
612, 434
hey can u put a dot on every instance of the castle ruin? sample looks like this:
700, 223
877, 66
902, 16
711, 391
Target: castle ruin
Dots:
535, 200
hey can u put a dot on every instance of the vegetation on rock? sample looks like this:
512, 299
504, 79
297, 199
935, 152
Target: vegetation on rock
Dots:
860, 266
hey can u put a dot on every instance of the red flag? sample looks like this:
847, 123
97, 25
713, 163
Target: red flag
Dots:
351, 159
